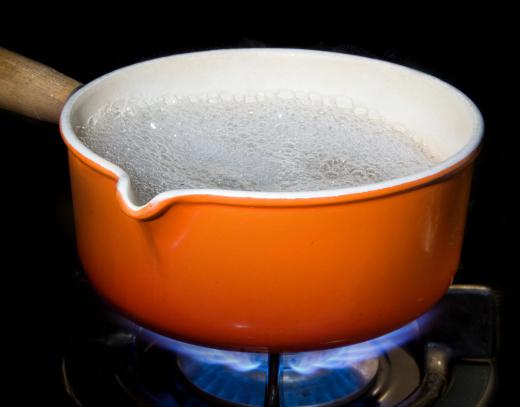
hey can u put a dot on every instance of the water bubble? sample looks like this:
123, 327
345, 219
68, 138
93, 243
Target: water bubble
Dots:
360, 111
268, 141
285, 94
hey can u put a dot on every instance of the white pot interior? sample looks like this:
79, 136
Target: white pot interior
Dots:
436, 113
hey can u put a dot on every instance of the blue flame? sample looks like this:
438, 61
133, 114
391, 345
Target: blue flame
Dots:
304, 363
340, 358
239, 361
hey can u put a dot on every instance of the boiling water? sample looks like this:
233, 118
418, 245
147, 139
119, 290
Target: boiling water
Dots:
277, 142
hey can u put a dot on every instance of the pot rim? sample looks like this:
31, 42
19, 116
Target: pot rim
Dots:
239, 197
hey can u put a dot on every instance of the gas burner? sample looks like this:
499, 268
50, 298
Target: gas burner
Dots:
445, 365
247, 389
154, 377
368, 380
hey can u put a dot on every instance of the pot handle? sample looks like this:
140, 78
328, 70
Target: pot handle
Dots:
33, 89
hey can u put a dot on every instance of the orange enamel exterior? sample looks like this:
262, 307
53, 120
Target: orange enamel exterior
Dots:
273, 274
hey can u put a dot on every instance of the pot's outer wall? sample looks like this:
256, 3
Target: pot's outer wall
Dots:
275, 278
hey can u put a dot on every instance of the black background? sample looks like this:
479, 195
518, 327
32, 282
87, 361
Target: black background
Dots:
473, 51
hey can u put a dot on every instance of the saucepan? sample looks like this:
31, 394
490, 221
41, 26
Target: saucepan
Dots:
266, 271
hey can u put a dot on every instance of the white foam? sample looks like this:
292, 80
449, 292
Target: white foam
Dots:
261, 142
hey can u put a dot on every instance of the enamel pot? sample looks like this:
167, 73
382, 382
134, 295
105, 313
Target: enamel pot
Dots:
266, 271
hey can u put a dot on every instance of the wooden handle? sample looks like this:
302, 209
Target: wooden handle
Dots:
31, 88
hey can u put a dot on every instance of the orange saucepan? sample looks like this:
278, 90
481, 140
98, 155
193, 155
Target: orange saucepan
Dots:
264, 270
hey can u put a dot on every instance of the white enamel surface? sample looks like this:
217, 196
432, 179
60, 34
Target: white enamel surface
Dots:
434, 111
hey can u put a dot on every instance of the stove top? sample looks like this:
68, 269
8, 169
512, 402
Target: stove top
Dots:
446, 358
